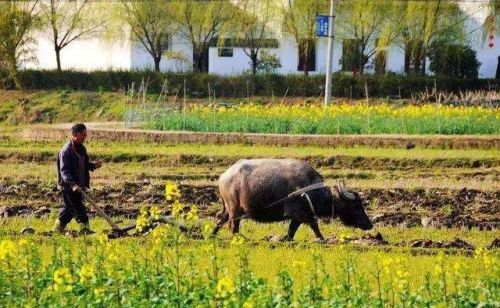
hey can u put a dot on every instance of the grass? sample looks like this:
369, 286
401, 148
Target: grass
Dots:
115, 174
99, 148
18, 107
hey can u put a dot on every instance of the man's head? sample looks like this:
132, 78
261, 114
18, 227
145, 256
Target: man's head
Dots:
79, 133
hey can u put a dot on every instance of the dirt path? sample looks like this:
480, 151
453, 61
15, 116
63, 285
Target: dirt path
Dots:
114, 131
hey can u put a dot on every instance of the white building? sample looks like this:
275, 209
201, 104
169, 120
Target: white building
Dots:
99, 54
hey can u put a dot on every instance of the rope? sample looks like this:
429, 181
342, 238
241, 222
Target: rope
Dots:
310, 203
298, 193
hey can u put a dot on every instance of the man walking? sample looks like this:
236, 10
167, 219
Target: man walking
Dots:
73, 176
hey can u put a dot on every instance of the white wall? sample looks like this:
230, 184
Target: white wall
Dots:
83, 55
141, 59
237, 64
489, 60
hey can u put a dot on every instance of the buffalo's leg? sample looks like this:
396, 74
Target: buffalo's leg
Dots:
235, 224
222, 219
292, 229
314, 226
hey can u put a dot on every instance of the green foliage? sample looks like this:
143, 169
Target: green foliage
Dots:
420, 23
243, 85
17, 20
151, 25
203, 23
268, 63
453, 60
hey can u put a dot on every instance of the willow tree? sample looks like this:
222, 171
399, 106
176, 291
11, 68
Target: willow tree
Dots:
69, 21
17, 22
492, 21
251, 28
492, 27
364, 29
420, 23
299, 20
202, 23
150, 23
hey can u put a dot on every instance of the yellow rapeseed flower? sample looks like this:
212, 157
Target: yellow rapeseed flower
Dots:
249, 303
141, 223
237, 240
172, 191
7, 249
225, 287
87, 273
208, 229
160, 233
192, 215
63, 280
155, 212
177, 208
102, 239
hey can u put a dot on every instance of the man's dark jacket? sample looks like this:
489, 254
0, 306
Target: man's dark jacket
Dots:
68, 166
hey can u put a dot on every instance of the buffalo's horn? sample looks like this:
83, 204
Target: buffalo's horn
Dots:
346, 194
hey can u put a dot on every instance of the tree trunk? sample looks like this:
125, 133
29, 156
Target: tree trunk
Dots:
157, 64
58, 58
254, 63
200, 61
12, 69
306, 59
196, 62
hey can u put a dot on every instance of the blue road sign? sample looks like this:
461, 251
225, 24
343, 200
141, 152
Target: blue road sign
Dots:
322, 25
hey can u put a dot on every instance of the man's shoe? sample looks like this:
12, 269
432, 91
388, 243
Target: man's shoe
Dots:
58, 227
85, 229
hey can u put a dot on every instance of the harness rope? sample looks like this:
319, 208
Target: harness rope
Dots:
300, 192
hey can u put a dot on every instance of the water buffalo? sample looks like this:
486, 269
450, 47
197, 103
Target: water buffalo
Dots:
249, 187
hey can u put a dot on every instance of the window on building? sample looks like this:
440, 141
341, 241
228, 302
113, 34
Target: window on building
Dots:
225, 52
307, 55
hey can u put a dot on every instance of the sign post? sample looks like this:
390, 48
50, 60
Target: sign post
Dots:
329, 29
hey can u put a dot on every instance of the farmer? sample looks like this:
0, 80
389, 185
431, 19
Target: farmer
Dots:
73, 176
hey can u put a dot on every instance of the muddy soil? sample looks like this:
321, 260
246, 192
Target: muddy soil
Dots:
456, 243
438, 208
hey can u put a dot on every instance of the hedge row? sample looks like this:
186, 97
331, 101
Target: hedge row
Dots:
243, 85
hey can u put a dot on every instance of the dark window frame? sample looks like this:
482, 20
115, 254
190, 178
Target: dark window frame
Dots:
225, 52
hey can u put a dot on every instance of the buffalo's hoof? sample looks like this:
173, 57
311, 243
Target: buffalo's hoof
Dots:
280, 239
320, 241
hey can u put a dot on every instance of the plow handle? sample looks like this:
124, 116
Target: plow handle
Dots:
99, 210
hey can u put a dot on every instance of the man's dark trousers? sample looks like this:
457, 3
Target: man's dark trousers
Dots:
73, 208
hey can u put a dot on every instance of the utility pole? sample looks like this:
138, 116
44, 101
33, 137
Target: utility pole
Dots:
329, 61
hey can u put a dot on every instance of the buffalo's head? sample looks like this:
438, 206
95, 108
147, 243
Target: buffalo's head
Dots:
349, 207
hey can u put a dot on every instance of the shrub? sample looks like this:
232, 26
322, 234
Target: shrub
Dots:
245, 85
453, 60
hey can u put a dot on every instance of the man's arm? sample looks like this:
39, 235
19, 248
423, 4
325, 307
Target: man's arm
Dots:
65, 165
92, 165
